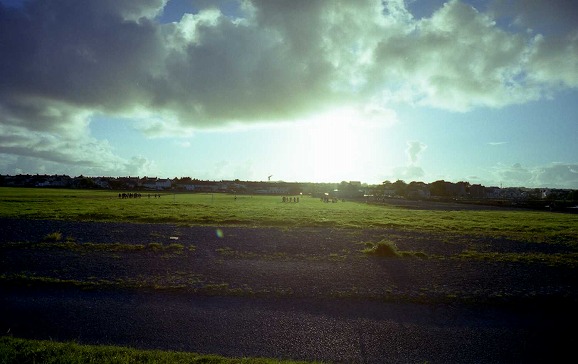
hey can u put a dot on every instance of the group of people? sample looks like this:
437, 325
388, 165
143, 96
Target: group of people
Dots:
136, 195
290, 199
328, 199
129, 195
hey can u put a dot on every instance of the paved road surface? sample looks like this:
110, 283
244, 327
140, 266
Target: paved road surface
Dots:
329, 329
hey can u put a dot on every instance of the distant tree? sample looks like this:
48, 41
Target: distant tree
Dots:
415, 185
535, 194
379, 190
85, 182
572, 196
400, 187
438, 188
116, 184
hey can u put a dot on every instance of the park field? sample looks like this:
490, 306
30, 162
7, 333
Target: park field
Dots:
251, 276
269, 211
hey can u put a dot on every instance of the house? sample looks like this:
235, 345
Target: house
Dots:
149, 183
163, 184
477, 191
101, 182
272, 190
129, 182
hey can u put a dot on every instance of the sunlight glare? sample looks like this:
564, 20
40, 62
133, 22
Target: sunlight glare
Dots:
335, 145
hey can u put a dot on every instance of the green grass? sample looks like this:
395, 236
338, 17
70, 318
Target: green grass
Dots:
55, 236
569, 260
98, 247
224, 209
23, 351
388, 249
382, 248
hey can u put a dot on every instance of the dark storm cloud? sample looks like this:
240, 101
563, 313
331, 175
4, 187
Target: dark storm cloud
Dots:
63, 61
277, 60
222, 71
84, 54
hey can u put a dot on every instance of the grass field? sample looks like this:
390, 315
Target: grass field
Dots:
254, 211
226, 209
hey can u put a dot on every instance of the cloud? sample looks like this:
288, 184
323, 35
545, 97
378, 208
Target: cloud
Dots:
414, 149
408, 173
64, 61
537, 15
556, 175
276, 61
411, 171
26, 151
514, 175
457, 59
22, 164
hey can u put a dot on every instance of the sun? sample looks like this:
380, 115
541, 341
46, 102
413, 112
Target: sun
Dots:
333, 146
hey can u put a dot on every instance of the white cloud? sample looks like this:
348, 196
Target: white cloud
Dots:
560, 175
457, 59
411, 171
63, 61
514, 175
554, 62
556, 175
68, 153
413, 151
407, 173
278, 61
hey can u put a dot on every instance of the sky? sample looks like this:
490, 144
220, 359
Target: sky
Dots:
295, 90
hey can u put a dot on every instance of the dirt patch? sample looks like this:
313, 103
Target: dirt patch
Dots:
301, 293
297, 262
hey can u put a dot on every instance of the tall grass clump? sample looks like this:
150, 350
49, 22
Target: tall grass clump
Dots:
383, 248
55, 236
154, 246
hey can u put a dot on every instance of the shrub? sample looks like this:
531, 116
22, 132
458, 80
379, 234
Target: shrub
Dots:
176, 246
55, 236
155, 246
382, 248
421, 255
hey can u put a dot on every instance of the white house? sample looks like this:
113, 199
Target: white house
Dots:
163, 184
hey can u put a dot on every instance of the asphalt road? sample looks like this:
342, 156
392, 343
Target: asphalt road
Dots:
335, 330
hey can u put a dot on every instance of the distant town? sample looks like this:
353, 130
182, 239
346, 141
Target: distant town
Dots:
556, 199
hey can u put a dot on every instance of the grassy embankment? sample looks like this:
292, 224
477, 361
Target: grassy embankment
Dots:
22, 351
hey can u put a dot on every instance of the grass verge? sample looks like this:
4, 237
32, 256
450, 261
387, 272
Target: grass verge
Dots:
388, 249
383, 248
22, 351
